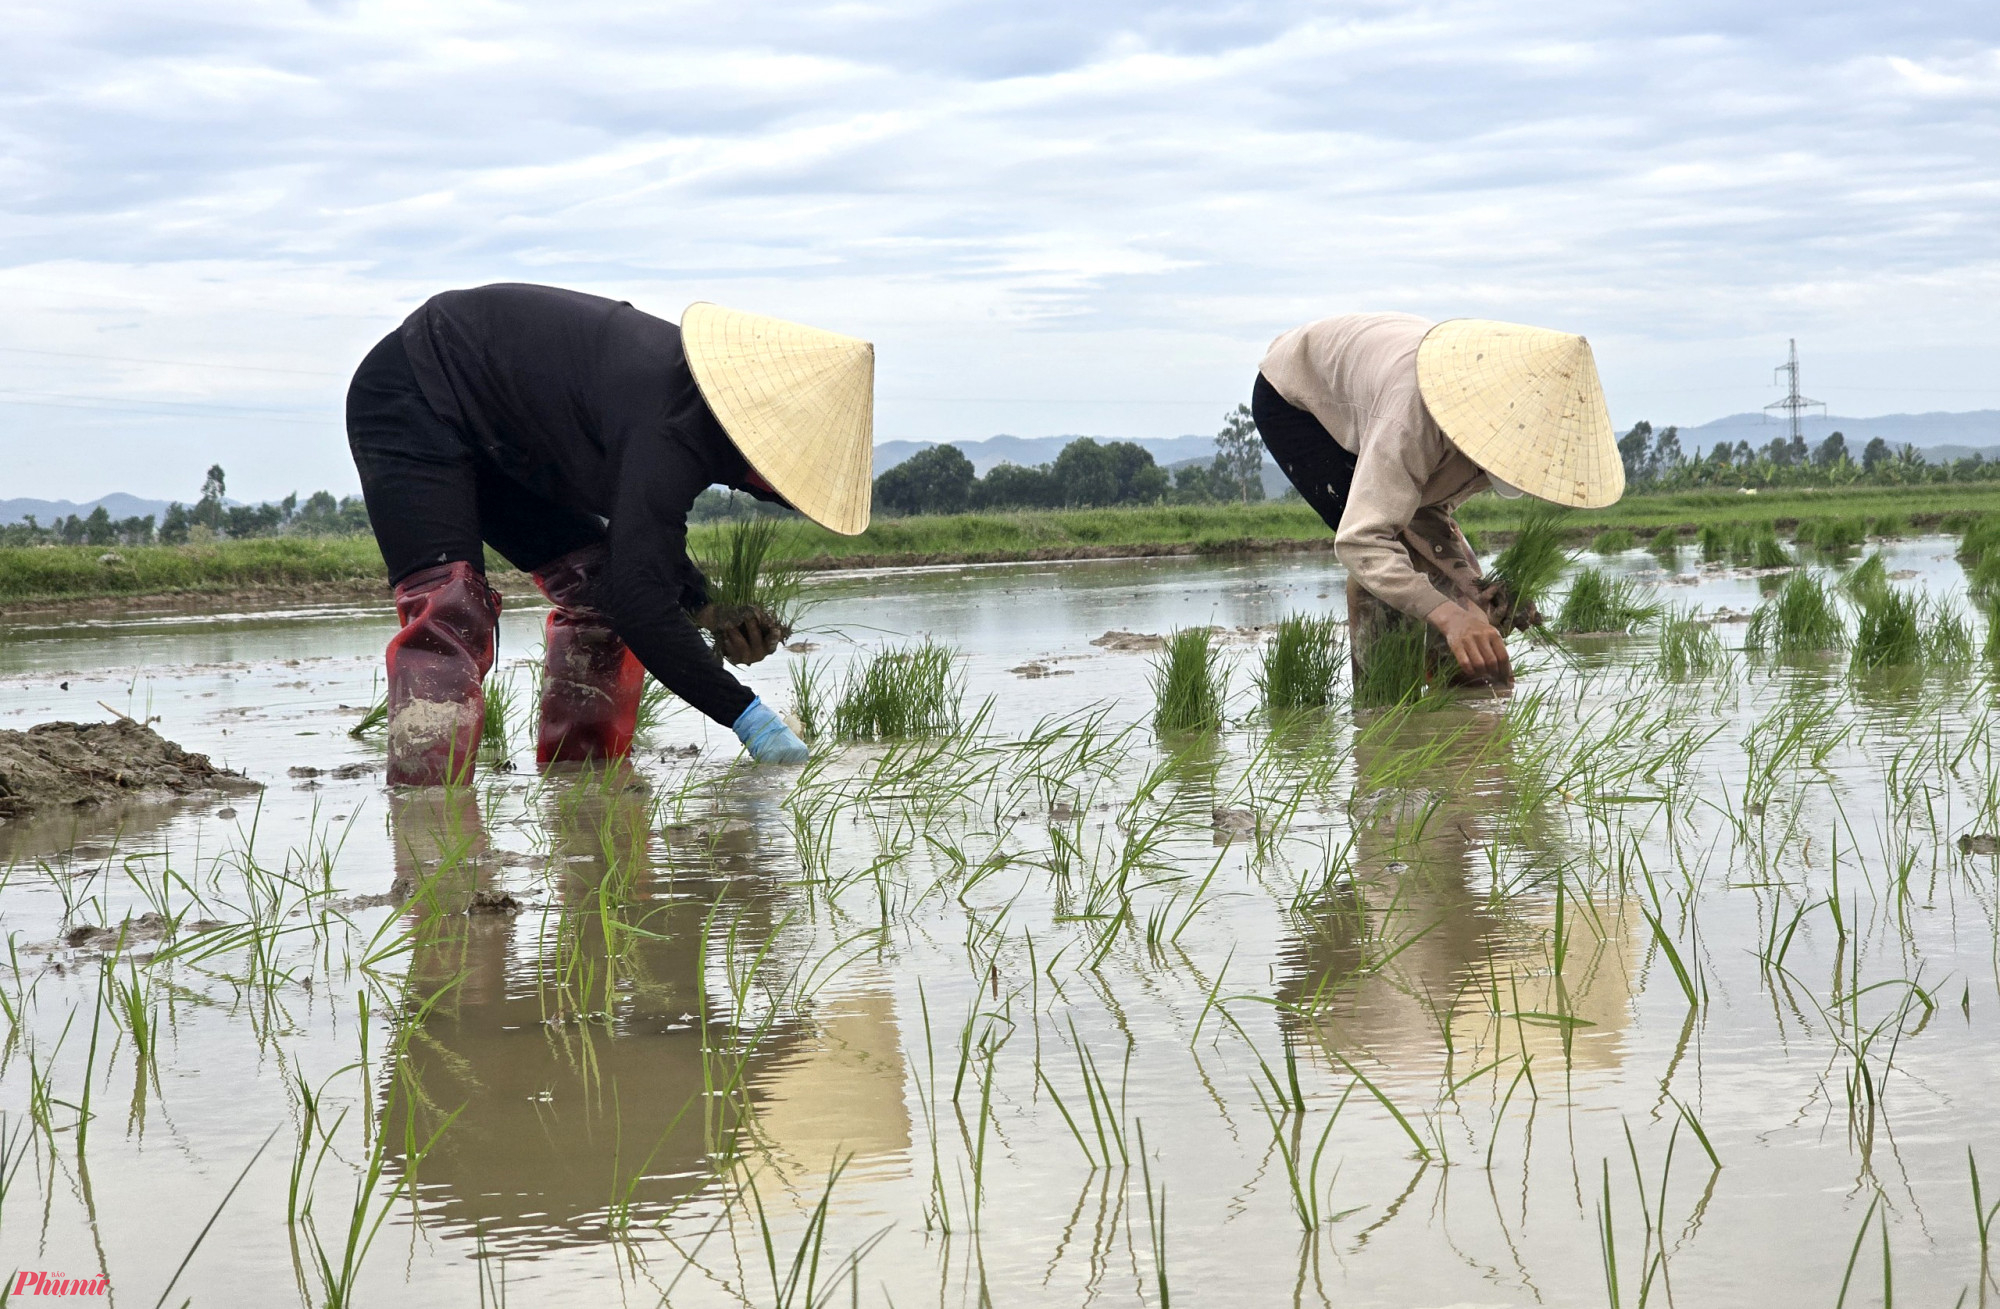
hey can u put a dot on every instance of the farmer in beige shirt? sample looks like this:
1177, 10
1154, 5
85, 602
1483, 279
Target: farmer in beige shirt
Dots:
1386, 423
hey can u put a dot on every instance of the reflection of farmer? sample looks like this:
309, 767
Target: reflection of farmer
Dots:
1386, 424
572, 434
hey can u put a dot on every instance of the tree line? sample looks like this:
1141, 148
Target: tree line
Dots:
1655, 461
1086, 473
207, 519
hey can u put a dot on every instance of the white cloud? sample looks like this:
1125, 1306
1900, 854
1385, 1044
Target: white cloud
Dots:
1051, 217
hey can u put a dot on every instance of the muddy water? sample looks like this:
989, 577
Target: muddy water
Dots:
1065, 1015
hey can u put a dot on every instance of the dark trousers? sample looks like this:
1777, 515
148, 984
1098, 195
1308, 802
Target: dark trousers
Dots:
1316, 464
432, 498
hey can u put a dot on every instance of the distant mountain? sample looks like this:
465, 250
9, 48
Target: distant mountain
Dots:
1027, 451
117, 504
1941, 437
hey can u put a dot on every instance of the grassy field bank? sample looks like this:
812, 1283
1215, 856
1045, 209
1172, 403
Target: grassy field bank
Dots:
351, 565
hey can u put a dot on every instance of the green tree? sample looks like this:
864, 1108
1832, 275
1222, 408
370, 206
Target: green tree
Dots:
1239, 454
1874, 454
1635, 449
1830, 451
208, 510
938, 480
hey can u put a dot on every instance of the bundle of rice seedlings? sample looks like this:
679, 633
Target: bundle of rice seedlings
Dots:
1765, 552
1689, 647
1598, 602
1946, 634
1714, 543
1889, 525
1981, 535
1533, 562
1891, 632
1982, 581
1189, 683
1396, 668
1611, 541
1866, 579
897, 693
751, 568
1831, 535
1802, 616
1300, 663
1666, 544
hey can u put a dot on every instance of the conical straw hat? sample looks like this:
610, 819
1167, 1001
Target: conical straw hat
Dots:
798, 402
1523, 403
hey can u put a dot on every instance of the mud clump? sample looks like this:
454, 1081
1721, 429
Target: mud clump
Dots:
56, 765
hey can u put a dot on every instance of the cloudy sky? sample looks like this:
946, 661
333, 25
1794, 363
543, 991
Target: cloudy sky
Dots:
1051, 217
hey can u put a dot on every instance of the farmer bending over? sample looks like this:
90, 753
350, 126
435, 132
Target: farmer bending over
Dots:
572, 434
1386, 423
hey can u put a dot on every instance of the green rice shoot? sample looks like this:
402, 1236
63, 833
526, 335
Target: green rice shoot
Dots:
1611, 541
1802, 616
1301, 663
1396, 669
751, 568
1189, 683
1689, 647
1666, 545
1598, 602
896, 694
809, 705
1535, 559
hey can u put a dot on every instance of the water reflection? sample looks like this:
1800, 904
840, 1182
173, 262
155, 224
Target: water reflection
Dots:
1430, 951
609, 1053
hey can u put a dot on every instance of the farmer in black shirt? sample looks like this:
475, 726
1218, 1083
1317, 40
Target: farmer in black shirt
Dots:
572, 434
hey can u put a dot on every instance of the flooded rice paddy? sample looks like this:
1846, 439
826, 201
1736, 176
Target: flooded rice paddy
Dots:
1623, 989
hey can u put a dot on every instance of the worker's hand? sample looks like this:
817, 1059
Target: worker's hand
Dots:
767, 738
1475, 643
743, 633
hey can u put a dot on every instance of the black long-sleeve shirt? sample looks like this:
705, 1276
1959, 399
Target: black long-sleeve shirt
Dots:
590, 403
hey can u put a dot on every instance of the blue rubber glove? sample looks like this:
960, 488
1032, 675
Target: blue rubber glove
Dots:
767, 738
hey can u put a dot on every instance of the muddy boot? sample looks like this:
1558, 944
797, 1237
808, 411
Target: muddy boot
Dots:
590, 682
437, 673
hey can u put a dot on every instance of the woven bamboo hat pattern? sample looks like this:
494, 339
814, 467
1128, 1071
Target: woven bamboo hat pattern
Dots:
1525, 404
798, 402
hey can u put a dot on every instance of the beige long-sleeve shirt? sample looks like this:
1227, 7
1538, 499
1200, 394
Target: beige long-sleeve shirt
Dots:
1357, 374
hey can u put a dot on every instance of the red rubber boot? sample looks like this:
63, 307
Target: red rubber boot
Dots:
590, 682
437, 674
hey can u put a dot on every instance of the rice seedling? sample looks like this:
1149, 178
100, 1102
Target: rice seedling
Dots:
1947, 636
1981, 535
655, 701
1982, 581
1301, 662
1189, 682
1830, 535
1714, 543
1765, 552
1889, 525
1801, 617
500, 701
1665, 545
1612, 541
1866, 579
751, 568
1534, 560
1598, 602
898, 693
808, 678
1689, 647
1891, 631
